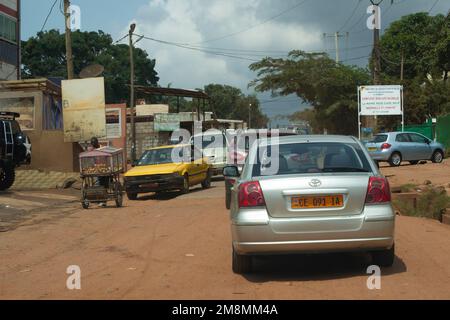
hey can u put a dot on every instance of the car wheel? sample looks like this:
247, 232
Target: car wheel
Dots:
437, 157
85, 205
185, 188
384, 258
395, 160
414, 162
241, 263
131, 196
7, 176
207, 182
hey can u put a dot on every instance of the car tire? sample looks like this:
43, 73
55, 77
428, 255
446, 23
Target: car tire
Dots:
241, 263
395, 159
7, 176
207, 182
384, 258
132, 196
437, 157
85, 205
185, 188
414, 162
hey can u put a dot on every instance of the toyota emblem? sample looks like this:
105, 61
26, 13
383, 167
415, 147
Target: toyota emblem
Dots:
315, 183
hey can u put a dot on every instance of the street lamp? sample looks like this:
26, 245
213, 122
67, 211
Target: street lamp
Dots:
133, 127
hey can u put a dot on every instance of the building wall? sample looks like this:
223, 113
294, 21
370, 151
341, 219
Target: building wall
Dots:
146, 138
9, 39
119, 142
49, 151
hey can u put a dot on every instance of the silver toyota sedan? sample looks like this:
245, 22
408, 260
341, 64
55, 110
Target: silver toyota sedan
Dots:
312, 194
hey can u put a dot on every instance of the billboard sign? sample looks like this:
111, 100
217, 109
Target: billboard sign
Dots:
380, 100
83, 109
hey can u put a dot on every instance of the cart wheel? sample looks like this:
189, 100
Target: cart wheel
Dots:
85, 204
118, 194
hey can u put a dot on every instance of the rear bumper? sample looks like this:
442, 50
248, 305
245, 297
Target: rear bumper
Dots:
166, 184
257, 233
380, 155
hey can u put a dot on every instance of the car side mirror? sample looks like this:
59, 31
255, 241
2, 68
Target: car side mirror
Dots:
134, 163
231, 171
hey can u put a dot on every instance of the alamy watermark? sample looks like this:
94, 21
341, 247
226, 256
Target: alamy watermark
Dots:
237, 145
374, 20
74, 23
374, 280
73, 281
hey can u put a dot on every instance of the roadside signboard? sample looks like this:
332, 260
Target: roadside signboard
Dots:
83, 109
380, 100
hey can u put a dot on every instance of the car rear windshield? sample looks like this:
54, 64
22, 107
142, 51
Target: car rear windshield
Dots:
379, 138
319, 157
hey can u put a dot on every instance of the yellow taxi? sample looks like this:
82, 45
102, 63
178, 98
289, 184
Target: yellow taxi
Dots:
167, 168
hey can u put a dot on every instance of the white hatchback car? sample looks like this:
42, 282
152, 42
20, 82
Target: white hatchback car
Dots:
326, 195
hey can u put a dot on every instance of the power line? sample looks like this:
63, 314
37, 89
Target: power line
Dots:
351, 16
256, 25
201, 50
434, 4
117, 41
48, 15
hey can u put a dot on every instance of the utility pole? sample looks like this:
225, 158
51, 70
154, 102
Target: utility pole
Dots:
132, 104
376, 58
402, 62
69, 58
249, 115
336, 37
336, 44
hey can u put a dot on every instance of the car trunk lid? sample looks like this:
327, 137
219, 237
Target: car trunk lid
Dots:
318, 195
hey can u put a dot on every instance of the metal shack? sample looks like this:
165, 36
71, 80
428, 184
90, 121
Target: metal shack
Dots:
41, 117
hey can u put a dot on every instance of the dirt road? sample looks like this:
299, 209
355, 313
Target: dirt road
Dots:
180, 248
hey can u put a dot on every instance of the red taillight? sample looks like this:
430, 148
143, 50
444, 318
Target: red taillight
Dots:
250, 195
378, 191
385, 146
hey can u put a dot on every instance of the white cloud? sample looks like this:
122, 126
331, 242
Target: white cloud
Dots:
196, 21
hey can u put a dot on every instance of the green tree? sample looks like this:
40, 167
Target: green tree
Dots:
230, 103
424, 42
328, 87
44, 56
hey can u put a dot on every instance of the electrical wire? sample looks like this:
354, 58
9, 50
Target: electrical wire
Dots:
434, 4
117, 41
256, 25
48, 15
351, 16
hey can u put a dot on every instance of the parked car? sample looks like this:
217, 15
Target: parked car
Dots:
158, 171
395, 147
214, 146
326, 196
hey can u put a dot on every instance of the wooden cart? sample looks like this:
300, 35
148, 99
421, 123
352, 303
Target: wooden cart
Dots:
100, 174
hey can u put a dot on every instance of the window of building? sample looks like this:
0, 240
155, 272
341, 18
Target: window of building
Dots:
8, 28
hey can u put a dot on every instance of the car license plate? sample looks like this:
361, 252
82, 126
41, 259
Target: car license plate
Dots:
372, 148
309, 202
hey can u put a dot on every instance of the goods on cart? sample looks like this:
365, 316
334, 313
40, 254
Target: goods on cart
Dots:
106, 160
100, 171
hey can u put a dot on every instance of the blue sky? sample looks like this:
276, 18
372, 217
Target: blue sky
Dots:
264, 25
